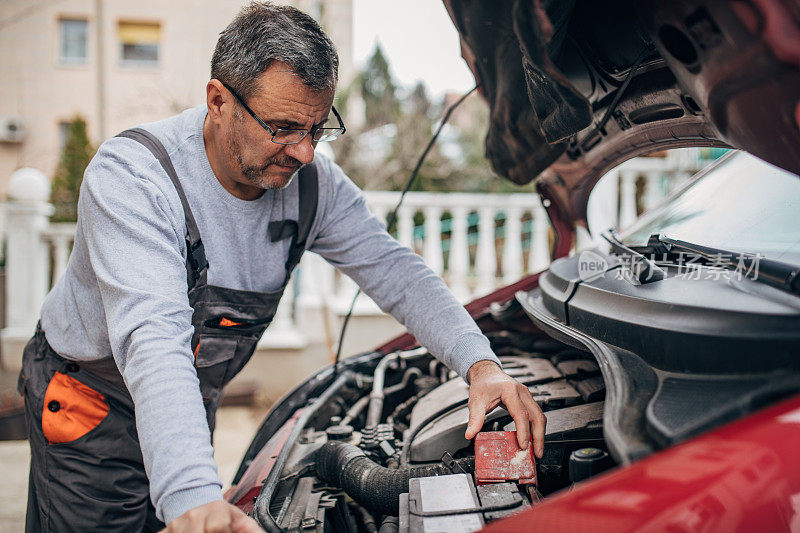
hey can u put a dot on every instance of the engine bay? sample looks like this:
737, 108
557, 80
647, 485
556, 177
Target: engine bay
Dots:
380, 446
385, 450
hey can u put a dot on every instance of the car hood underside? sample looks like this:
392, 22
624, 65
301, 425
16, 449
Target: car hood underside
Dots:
578, 87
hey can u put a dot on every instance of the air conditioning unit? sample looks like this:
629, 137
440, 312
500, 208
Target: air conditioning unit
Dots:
12, 129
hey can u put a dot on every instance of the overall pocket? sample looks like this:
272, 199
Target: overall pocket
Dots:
219, 334
71, 409
212, 357
240, 326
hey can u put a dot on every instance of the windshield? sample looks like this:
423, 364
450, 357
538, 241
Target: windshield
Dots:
742, 204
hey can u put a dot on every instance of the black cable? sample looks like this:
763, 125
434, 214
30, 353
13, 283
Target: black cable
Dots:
405, 454
615, 101
486, 509
393, 218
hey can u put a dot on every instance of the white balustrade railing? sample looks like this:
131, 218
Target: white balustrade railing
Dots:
476, 242
491, 220
485, 262
433, 243
60, 236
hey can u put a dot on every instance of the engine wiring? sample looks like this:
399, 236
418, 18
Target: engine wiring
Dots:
393, 217
353, 466
599, 128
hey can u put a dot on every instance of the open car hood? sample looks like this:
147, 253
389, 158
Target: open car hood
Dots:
576, 87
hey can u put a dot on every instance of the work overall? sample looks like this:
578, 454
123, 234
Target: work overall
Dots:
87, 472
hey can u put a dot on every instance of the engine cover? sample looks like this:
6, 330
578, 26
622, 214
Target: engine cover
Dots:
445, 414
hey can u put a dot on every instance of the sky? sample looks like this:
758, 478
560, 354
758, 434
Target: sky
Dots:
419, 39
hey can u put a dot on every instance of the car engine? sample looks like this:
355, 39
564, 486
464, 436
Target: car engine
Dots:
384, 450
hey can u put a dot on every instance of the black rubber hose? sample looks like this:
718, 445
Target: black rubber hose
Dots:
367, 519
370, 484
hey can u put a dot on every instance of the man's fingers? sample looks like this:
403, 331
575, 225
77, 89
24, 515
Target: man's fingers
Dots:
489, 386
477, 414
520, 415
539, 423
539, 426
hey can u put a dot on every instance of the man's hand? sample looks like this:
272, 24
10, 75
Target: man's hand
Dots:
488, 387
214, 517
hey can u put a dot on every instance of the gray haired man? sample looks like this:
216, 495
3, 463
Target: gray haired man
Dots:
188, 230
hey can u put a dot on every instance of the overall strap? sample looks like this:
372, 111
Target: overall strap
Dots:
308, 197
195, 253
306, 212
308, 185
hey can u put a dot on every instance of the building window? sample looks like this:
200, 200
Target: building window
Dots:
139, 43
72, 38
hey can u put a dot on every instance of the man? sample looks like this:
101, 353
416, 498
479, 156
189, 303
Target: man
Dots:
188, 229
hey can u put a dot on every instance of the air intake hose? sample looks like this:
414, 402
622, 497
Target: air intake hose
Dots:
376, 487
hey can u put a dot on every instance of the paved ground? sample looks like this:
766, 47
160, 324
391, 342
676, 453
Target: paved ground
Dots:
235, 428
14, 457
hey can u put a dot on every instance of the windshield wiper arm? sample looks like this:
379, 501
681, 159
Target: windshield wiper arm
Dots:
643, 269
783, 276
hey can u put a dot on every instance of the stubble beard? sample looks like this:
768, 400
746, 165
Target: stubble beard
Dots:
257, 175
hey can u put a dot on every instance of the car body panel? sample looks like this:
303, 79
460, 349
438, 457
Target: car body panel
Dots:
741, 477
246, 490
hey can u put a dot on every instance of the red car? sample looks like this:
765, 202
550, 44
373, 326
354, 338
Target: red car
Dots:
667, 362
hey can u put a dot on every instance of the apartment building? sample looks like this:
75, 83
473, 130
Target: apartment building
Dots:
116, 63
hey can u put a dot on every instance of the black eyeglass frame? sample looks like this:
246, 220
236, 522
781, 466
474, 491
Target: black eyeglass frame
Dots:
341, 129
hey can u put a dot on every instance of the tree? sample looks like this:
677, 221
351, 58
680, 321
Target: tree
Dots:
415, 127
395, 124
379, 91
75, 156
418, 99
476, 174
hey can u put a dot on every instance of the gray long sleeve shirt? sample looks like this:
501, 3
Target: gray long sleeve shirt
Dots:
124, 294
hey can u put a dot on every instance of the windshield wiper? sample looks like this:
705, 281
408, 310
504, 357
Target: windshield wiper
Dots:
783, 276
643, 269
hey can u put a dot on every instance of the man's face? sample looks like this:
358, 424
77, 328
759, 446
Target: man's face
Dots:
282, 100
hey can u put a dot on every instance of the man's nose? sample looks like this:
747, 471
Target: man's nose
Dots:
302, 151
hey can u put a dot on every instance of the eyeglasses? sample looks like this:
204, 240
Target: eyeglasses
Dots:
294, 135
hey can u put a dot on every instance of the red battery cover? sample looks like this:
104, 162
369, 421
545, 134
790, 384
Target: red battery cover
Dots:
498, 458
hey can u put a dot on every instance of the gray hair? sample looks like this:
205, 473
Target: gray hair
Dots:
263, 32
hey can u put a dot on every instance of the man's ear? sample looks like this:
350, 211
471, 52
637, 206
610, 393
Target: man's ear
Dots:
218, 100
